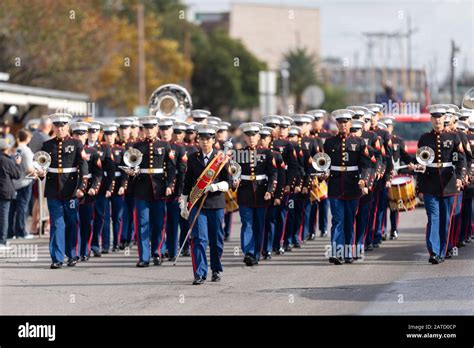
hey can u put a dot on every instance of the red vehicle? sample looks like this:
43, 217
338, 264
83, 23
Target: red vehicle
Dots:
411, 127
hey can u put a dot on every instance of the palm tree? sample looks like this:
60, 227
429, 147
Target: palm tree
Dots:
302, 72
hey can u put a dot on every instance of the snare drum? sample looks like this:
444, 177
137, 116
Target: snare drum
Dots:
401, 195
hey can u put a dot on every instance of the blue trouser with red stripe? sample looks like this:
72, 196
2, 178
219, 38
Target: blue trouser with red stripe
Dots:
101, 211
362, 222
381, 213
342, 229
128, 226
207, 229
86, 217
307, 207
455, 226
439, 211
394, 216
295, 220
151, 217
270, 219
172, 224
116, 205
280, 222
251, 233
227, 224
466, 219
64, 231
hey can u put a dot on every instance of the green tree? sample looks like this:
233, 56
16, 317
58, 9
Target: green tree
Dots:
334, 98
302, 73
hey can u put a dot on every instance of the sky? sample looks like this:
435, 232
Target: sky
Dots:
343, 22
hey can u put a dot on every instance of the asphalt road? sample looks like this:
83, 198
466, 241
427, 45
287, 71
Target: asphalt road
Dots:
393, 279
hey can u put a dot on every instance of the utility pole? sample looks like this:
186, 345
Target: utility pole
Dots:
285, 80
141, 55
454, 50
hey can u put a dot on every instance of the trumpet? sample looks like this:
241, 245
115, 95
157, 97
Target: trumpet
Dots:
41, 163
321, 162
132, 159
425, 155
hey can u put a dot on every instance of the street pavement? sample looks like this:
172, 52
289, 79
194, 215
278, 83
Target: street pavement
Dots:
395, 279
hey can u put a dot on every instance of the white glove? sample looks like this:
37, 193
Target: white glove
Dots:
222, 186
182, 206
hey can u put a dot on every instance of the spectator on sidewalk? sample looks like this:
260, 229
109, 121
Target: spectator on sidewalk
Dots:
9, 170
19, 206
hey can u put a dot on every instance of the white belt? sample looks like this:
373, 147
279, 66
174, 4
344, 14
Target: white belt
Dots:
116, 173
254, 177
88, 176
151, 171
344, 169
62, 170
439, 165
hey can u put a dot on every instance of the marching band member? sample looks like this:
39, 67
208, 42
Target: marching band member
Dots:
466, 211
207, 178
86, 203
172, 205
360, 128
154, 182
115, 182
310, 145
318, 132
380, 199
289, 157
348, 176
128, 227
255, 190
66, 181
101, 201
200, 116
440, 182
270, 216
400, 154
134, 129
295, 220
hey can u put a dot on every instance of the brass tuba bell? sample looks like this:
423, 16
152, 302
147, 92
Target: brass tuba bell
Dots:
171, 100
41, 160
132, 159
425, 155
321, 162
468, 99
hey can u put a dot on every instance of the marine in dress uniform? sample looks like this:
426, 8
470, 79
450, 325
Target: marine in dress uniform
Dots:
129, 217
200, 116
257, 185
380, 196
286, 148
115, 183
348, 176
86, 203
466, 211
101, 201
440, 182
270, 216
172, 202
208, 216
400, 155
154, 182
310, 145
66, 181
318, 132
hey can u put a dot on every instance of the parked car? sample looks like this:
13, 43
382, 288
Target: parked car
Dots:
411, 127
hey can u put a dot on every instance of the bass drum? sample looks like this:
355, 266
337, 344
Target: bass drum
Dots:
401, 195
231, 201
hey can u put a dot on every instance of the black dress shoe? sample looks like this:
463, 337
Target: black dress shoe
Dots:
115, 248
297, 246
254, 262
376, 245
157, 260
105, 251
449, 254
96, 253
280, 251
226, 238
71, 262
248, 260
56, 265
199, 281
288, 248
84, 258
461, 244
215, 276
166, 255
336, 260
312, 236
324, 234
121, 246
433, 259
369, 247
143, 264
172, 259
348, 260
186, 253
267, 255
469, 240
